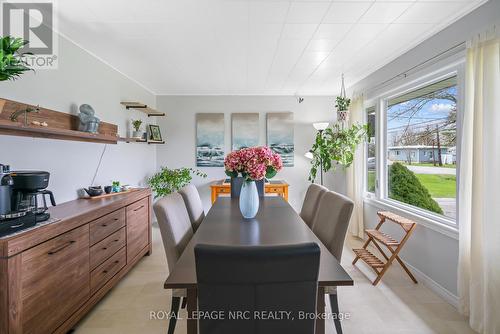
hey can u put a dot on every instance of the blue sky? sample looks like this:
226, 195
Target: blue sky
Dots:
434, 111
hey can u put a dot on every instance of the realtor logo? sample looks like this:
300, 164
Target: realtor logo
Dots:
33, 21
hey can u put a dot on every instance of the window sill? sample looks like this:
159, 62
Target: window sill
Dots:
436, 224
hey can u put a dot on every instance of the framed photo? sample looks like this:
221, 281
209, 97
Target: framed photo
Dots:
154, 132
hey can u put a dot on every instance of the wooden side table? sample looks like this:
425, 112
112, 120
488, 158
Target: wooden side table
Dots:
273, 187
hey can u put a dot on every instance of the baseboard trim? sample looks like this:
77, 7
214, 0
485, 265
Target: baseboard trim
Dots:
422, 278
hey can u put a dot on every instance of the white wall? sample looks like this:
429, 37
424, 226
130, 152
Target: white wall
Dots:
80, 78
179, 129
432, 252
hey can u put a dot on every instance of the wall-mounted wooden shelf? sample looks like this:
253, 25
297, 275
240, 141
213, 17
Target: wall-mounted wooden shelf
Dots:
131, 140
62, 134
138, 140
143, 108
60, 125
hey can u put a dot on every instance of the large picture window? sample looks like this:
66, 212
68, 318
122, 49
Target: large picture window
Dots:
421, 148
371, 165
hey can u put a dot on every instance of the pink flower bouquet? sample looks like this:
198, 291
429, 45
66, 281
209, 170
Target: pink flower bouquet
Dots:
253, 163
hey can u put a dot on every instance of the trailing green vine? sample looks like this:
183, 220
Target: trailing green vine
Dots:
336, 146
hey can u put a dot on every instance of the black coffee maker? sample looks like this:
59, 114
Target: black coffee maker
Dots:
22, 199
29, 191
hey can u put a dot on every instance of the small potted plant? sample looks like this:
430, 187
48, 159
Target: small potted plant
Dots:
137, 128
342, 104
116, 186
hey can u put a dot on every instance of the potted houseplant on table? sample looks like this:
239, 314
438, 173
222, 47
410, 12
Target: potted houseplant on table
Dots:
136, 123
252, 164
167, 181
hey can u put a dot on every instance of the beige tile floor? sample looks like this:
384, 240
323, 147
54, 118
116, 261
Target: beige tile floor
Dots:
396, 305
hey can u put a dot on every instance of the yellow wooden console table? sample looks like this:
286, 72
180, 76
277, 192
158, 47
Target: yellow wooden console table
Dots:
272, 187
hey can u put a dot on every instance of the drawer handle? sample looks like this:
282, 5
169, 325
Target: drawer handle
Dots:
106, 271
105, 225
116, 240
58, 249
138, 208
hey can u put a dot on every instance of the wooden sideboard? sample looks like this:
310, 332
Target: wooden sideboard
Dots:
279, 188
51, 276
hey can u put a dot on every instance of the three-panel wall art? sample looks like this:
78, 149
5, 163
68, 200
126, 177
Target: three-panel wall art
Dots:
245, 132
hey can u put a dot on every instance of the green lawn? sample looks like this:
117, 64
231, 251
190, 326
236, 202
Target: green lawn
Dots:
439, 186
371, 181
428, 164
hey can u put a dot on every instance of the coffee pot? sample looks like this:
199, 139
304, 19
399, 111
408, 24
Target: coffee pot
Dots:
29, 193
6, 183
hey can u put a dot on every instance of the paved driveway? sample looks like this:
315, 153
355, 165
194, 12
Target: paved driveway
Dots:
432, 170
449, 206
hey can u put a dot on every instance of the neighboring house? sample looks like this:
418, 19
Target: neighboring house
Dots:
421, 154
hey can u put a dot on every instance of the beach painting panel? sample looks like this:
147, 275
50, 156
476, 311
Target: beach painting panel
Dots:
280, 136
210, 140
245, 130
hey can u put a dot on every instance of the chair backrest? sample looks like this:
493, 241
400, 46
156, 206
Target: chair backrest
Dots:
237, 183
311, 202
194, 205
246, 280
175, 226
331, 221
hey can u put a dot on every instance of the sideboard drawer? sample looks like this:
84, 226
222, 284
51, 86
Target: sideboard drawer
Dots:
107, 270
137, 227
104, 226
54, 280
107, 247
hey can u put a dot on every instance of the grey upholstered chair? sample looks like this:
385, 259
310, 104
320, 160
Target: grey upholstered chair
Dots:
193, 204
330, 226
311, 202
249, 279
176, 231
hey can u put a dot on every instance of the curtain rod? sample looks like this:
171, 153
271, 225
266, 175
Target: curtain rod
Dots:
448, 52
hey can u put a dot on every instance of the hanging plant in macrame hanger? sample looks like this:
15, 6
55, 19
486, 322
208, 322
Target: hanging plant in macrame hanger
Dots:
342, 104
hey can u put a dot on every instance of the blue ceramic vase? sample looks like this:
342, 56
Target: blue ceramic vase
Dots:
249, 199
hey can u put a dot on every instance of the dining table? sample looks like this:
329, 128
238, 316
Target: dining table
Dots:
276, 223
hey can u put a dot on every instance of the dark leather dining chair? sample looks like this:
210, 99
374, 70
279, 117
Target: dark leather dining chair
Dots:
330, 226
250, 279
176, 231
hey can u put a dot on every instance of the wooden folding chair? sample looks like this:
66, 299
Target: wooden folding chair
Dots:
394, 246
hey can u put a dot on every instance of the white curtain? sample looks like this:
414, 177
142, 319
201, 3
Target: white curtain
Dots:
479, 188
355, 173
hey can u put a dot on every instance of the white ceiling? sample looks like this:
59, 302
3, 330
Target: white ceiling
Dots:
252, 47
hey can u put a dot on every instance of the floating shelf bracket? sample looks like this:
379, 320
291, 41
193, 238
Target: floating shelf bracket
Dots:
143, 108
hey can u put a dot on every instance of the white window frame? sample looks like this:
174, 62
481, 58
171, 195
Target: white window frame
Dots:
452, 66
368, 194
